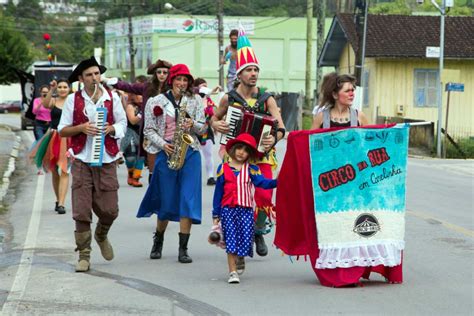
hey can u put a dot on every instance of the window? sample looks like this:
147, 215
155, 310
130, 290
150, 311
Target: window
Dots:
365, 88
110, 54
118, 60
126, 44
426, 87
139, 54
148, 51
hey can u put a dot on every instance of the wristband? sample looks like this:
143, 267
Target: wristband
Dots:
283, 131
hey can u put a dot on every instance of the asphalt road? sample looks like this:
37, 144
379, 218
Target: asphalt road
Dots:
37, 266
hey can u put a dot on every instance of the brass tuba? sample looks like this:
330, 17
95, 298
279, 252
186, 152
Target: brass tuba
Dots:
181, 139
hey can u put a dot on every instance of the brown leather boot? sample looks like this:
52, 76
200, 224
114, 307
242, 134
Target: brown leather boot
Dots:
137, 174
130, 176
83, 243
101, 237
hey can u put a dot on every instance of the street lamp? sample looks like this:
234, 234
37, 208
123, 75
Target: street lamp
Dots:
442, 10
169, 6
220, 33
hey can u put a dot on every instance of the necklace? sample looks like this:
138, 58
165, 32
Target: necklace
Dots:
340, 117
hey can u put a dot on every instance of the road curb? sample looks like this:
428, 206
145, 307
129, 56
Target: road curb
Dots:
419, 156
11, 166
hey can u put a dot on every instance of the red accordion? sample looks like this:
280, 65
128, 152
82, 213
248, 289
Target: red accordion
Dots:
256, 124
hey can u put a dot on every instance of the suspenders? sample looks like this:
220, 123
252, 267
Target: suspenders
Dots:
327, 118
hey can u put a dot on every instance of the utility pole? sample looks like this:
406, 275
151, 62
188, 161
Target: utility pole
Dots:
321, 20
309, 45
220, 38
442, 10
440, 85
131, 49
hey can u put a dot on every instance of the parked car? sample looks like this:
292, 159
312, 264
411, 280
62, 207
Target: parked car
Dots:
10, 106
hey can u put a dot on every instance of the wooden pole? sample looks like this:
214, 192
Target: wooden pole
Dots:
321, 20
309, 50
220, 38
131, 49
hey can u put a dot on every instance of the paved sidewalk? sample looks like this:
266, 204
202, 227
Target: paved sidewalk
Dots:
10, 144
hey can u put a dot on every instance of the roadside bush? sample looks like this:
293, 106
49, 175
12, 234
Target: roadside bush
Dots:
467, 146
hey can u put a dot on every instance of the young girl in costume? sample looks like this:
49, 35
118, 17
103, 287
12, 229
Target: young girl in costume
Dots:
233, 201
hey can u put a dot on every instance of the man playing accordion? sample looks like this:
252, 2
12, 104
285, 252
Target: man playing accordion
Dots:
248, 97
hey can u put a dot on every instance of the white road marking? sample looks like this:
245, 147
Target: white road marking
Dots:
24, 268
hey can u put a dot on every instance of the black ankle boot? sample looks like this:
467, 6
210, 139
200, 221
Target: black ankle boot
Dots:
183, 248
157, 245
260, 245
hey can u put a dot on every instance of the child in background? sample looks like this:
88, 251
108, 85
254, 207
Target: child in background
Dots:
131, 142
233, 201
207, 139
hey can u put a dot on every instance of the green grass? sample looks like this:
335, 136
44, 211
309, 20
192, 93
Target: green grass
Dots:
467, 146
307, 121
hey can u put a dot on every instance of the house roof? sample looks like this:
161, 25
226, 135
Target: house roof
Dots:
397, 36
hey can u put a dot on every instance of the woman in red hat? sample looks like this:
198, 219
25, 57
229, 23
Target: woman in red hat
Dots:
174, 195
158, 83
233, 201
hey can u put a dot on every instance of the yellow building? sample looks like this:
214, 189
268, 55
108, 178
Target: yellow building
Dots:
401, 82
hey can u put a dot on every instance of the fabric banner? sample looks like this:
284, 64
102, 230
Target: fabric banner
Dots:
358, 178
27, 82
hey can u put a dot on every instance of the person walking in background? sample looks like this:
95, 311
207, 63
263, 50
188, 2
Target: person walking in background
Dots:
174, 194
50, 152
156, 84
42, 114
93, 188
207, 139
233, 201
58, 145
131, 142
230, 54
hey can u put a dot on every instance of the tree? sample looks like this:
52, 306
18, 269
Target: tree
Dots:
14, 51
87, 46
29, 9
397, 7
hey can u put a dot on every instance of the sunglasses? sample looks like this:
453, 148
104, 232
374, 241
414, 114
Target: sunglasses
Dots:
164, 72
44, 95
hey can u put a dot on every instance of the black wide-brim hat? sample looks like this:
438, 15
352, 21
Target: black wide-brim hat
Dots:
83, 65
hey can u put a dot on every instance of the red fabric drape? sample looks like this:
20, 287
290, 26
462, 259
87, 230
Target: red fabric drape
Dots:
296, 229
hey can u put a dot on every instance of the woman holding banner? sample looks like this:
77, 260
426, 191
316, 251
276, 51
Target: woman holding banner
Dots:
337, 95
348, 216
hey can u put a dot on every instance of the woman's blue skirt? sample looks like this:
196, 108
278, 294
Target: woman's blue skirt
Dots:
173, 194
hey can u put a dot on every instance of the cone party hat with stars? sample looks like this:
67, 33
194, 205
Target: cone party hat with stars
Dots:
245, 53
